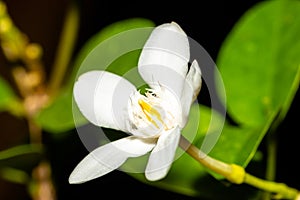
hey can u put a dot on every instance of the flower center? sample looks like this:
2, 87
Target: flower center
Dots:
154, 112
150, 112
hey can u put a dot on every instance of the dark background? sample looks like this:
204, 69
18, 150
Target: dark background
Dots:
208, 22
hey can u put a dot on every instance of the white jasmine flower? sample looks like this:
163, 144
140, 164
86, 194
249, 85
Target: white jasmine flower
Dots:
153, 120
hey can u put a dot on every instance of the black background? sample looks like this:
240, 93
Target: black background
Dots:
208, 22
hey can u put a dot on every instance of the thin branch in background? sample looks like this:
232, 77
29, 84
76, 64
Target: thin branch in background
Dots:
65, 49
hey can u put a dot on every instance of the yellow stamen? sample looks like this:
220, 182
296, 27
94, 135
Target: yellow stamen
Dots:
149, 111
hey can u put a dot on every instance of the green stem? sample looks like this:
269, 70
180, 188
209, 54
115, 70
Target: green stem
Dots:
271, 160
281, 190
215, 165
65, 49
236, 174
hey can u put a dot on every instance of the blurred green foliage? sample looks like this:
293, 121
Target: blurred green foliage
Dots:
22, 157
8, 99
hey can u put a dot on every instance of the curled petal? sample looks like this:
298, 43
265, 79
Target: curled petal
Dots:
193, 78
162, 156
191, 89
164, 58
102, 97
109, 157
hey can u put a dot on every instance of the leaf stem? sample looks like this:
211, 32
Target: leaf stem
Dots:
237, 174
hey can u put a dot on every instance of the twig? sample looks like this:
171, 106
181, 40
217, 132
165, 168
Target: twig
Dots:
237, 174
65, 49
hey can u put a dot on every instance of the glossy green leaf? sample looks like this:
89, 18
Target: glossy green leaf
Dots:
259, 62
8, 99
23, 157
59, 117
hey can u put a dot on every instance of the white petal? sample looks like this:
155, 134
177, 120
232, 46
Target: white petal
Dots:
109, 157
162, 156
102, 97
164, 58
135, 146
194, 78
191, 89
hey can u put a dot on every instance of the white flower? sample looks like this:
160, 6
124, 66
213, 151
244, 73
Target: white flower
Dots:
154, 120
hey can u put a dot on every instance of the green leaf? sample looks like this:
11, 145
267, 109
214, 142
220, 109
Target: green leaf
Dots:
14, 175
259, 62
23, 157
98, 53
8, 99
